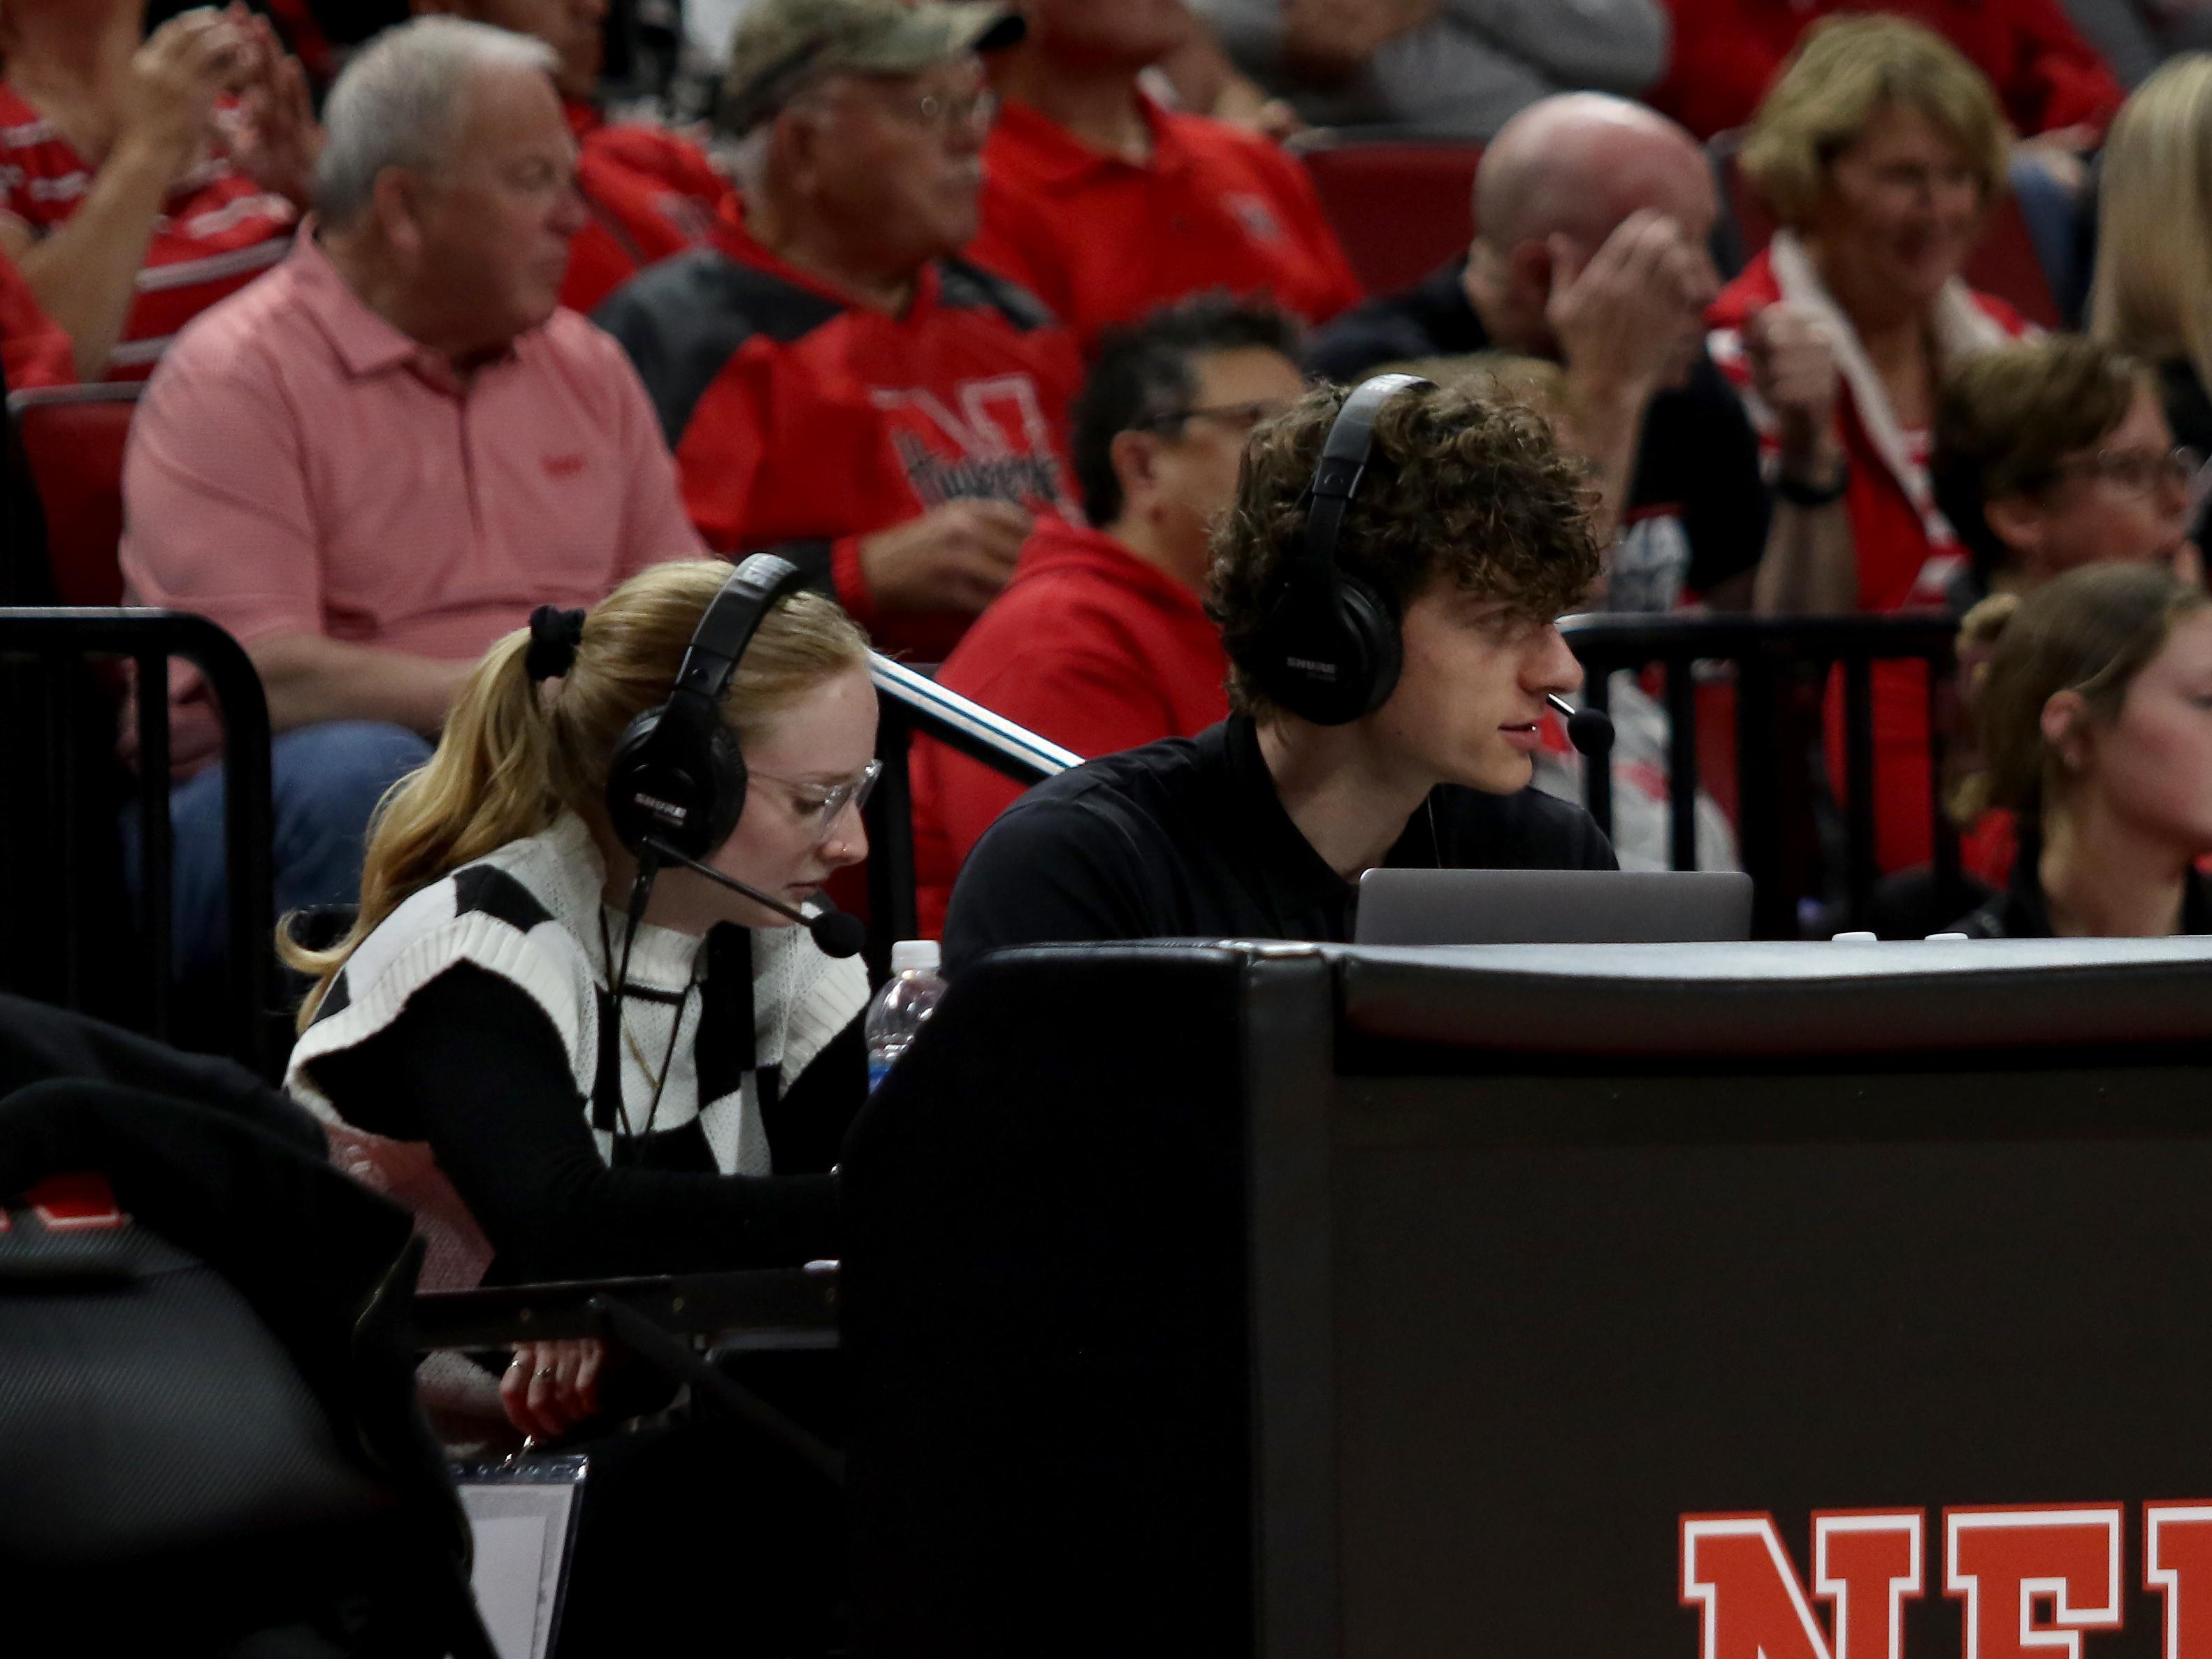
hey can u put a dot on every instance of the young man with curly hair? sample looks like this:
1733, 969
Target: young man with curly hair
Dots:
1473, 526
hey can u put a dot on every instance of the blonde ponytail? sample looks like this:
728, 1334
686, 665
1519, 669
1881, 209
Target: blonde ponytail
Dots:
515, 752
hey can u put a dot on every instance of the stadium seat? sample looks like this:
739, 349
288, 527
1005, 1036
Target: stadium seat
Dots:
2004, 264
1402, 208
74, 436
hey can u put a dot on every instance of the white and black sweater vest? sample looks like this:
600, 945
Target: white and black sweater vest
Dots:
748, 1012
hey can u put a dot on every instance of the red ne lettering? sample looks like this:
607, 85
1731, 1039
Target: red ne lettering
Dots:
2178, 1564
1734, 1569
1867, 1562
2001, 1562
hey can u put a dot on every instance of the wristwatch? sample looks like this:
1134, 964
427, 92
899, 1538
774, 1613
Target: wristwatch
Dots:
1798, 493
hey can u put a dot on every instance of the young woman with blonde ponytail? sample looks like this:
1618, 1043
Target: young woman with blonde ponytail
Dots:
2095, 712
462, 1042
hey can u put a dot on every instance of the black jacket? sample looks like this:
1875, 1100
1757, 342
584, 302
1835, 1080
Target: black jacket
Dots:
211, 1163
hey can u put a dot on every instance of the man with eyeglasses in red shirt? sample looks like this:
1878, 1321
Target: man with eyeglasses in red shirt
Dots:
1101, 641
838, 385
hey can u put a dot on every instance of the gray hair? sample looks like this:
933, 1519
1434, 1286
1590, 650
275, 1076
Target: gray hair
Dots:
398, 104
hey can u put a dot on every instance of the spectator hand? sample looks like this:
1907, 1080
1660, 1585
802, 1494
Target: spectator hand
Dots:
1329, 41
176, 77
2189, 565
552, 1387
1245, 105
953, 557
1792, 368
1626, 317
278, 141
2060, 152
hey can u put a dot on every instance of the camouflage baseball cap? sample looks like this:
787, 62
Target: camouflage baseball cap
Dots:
781, 44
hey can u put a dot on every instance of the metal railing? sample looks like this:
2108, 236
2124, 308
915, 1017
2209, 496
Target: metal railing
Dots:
764, 1307
911, 701
662, 1321
1771, 656
52, 642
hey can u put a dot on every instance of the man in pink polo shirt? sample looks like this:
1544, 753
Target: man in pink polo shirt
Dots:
378, 458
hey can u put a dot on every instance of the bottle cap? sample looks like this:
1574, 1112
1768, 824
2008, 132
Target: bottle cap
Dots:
916, 954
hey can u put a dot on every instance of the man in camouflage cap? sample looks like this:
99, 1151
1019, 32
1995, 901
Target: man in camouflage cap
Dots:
783, 45
837, 382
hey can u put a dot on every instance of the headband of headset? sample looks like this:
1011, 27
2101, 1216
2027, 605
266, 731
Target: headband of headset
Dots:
1345, 454
1329, 650
678, 773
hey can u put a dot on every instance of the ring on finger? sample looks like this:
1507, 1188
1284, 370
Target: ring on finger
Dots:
545, 1370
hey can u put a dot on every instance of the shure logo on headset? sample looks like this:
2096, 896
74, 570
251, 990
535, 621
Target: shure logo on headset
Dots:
1308, 665
663, 809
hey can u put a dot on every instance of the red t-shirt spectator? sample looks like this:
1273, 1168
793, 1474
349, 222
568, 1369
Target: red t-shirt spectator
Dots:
217, 232
1907, 555
1104, 241
1727, 53
1089, 645
34, 350
651, 194
803, 421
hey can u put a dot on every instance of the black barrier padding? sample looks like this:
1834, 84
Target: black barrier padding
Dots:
1048, 1447
1497, 1329
1547, 1354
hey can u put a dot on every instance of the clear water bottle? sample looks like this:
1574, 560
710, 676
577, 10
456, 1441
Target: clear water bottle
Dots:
908, 996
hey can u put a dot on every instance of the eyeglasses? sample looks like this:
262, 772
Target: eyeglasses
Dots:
1241, 416
942, 113
2139, 472
817, 808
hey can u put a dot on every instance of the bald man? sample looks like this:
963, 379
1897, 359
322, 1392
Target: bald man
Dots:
1592, 215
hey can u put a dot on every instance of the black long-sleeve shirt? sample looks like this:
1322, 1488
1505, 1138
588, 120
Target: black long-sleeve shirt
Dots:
476, 1068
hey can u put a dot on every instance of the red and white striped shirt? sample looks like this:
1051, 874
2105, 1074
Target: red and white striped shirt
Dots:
217, 231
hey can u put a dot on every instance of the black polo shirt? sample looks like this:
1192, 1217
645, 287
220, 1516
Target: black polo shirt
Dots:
1187, 838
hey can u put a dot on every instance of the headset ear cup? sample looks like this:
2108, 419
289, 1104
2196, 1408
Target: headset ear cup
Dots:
624, 782
1369, 614
670, 781
1330, 651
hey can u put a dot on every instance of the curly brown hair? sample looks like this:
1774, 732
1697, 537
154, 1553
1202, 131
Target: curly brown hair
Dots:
1460, 489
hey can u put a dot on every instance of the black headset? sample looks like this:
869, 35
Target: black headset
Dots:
1329, 648
678, 775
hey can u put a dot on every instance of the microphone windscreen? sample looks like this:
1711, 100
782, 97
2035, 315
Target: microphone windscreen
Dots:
837, 934
1590, 731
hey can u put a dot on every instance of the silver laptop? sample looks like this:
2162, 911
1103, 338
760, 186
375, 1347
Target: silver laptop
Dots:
1552, 907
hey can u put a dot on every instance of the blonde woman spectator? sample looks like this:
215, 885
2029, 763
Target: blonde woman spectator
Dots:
1882, 150
2152, 296
141, 182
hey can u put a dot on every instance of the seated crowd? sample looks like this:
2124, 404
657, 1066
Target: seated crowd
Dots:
1010, 362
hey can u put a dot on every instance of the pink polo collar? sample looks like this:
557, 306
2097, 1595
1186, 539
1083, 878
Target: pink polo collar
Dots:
365, 343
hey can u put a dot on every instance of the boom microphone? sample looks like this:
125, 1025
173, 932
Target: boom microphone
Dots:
836, 933
1588, 729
